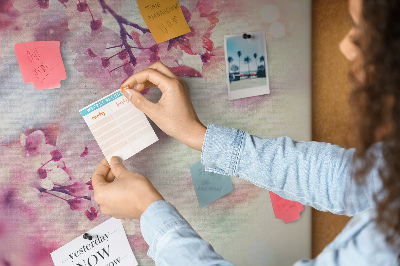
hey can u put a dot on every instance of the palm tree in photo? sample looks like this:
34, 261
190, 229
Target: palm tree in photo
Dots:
262, 59
261, 68
230, 60
255, 60
234, 68
247, 60
239, 55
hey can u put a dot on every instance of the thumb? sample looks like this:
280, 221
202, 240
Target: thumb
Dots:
117, 168
138, 100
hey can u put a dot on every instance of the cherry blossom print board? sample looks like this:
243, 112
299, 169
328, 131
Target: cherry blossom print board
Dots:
108, 246
41, 63
118, 126
47, 198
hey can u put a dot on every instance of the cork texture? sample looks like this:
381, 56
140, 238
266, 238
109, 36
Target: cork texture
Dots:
330, 99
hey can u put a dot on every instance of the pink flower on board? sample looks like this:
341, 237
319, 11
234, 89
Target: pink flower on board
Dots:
30, 12
96, 40
8, 14
77, 189
17, 234
33, 143
201, 21
91, 214
95, 60
80, 14
76, 204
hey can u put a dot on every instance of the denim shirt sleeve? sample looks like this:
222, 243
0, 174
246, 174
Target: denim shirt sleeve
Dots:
312, 173
172, 241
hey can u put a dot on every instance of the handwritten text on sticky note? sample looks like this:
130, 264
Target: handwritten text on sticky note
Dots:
164, 18
41, 63
209, 186
284, 209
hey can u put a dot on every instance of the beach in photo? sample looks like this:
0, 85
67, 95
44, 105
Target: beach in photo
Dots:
246, 61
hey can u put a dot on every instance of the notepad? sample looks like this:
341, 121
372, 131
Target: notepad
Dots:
118, 126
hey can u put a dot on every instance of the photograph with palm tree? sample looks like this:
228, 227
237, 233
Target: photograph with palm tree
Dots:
246, 65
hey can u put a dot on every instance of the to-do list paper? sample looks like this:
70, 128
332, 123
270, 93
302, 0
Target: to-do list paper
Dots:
118, 126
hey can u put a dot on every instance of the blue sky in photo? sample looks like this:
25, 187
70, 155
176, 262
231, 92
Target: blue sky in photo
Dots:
256, 44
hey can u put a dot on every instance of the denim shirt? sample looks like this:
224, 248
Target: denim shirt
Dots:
312, 173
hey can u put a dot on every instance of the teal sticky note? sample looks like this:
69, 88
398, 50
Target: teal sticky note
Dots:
209, 186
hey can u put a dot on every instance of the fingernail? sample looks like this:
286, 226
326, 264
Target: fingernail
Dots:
128, 93
127, 87
115, 160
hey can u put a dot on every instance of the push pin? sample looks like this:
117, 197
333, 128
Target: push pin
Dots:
246, 36
87, 236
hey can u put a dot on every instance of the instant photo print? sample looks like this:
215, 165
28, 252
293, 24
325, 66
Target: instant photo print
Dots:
246, 65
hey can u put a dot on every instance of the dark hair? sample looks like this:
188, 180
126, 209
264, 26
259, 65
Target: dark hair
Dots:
375, 102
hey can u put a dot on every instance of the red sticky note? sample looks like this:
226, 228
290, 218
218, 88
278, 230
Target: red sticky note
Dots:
41, 64
284, 209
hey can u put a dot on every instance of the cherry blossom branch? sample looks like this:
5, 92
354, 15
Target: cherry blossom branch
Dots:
123, 32
120, 19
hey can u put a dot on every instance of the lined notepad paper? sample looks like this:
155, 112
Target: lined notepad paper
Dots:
118, 126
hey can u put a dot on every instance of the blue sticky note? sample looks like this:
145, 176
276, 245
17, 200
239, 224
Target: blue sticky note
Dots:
209, 186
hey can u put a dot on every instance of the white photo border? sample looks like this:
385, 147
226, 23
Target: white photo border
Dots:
247, 92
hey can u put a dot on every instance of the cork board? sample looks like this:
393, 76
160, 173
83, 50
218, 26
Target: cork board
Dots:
331, 89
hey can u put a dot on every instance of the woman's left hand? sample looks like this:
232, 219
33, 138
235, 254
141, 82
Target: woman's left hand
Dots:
128, 196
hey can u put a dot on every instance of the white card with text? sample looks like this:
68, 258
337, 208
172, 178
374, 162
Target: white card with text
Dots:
109, 246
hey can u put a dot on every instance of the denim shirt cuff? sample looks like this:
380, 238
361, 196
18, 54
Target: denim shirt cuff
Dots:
222, 148
157, 220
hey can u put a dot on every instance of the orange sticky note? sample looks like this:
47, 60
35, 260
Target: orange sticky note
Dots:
41, 64
164, 18
284, 209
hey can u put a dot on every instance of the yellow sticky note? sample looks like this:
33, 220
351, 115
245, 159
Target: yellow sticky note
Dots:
164, 18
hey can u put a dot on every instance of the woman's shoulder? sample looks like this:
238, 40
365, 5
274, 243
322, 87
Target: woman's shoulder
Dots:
363, 237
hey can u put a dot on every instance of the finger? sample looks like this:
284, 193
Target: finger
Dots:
117, 167
160, 67
140, 102
143, 86
100, 174
159, 80
110, 177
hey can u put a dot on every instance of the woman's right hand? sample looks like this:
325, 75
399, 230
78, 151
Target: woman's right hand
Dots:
173, 113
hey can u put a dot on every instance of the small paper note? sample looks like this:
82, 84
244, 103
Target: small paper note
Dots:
41, 64
209, 186
118, 126
108, 246
164, 18
284, 209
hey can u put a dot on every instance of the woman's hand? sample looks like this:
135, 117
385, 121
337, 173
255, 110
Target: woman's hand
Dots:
174, 113
127, 197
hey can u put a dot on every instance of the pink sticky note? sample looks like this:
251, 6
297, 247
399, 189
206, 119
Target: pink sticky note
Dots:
41, 64
284, 209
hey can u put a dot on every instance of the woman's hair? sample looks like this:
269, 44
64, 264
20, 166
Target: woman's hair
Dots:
375, 101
